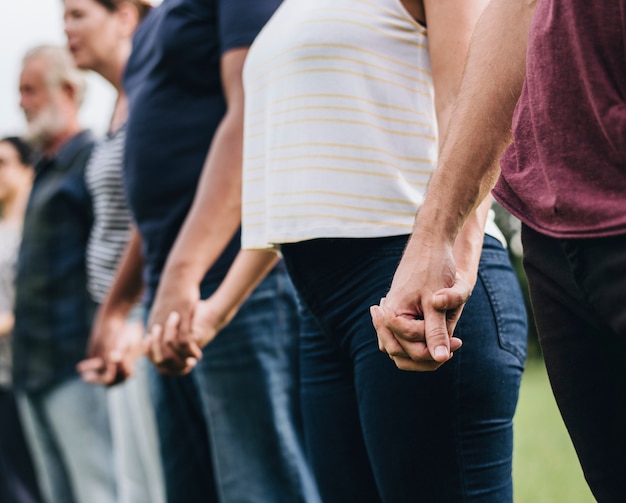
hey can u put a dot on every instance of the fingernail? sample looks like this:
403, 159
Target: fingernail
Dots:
441, 353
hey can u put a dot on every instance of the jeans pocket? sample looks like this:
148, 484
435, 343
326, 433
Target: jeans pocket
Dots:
503, 289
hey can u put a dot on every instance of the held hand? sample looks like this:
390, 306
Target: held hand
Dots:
205, 325
113, 351
170, 345
416, 321
452, 301
412, 353
208, 320
161, 354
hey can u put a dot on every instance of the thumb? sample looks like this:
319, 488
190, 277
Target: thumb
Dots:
436, 333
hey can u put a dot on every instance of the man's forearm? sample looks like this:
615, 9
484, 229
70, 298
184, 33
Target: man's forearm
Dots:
480, 126
468, 243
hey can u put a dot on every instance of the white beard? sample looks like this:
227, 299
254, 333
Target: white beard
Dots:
45, 126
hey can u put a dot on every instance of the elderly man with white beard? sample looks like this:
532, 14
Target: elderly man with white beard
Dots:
65, 419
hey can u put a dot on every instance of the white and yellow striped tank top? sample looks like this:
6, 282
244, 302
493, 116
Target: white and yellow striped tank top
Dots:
340, 126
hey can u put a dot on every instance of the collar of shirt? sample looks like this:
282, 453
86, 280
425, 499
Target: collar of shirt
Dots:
66, 153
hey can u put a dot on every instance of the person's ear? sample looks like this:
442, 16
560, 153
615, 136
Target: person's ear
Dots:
128, 17
68, 90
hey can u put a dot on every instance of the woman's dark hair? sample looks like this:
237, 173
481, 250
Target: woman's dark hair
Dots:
143, 6
25, 152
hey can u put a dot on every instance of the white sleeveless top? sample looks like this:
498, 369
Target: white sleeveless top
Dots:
340, 126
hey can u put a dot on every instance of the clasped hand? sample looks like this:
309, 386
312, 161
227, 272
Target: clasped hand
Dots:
176, 346
415, 326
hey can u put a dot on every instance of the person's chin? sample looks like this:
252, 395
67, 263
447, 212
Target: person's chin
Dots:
80, 60
82, 63
41, 135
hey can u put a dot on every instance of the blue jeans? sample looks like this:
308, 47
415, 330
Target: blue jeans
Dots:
135, 440
67, 429
375, 433
247, 392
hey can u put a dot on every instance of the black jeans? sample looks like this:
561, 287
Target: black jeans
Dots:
578, 293
18, 483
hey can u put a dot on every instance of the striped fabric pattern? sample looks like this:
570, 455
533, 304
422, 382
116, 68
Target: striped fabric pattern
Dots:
343, 142
112, 219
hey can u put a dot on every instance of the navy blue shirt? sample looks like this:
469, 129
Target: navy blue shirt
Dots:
53, 310
176, 103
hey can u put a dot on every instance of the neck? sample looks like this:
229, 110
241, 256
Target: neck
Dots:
120, 113
113, 70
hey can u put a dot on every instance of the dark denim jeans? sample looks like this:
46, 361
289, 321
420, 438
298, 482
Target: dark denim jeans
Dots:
375, 433
18, 483
237, 424
578, 293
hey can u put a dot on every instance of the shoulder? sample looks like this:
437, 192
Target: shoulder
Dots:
241, 20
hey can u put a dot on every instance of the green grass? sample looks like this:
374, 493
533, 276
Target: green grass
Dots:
545, 466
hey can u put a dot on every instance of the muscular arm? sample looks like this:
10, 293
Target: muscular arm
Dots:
448, 55
481, 126
212, 220
443, 248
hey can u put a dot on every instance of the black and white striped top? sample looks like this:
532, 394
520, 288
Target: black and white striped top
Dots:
112, 220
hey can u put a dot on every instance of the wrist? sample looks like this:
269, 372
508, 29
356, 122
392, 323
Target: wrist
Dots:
182, 271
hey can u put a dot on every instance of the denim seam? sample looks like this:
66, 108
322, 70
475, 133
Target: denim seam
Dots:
493, 301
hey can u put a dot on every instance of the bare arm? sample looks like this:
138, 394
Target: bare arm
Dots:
426, 282
246, 272
111, 354
7, 321
211, 223
481, 128
448, 54
213, 314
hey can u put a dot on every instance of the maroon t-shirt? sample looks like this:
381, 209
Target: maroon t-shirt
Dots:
565, 173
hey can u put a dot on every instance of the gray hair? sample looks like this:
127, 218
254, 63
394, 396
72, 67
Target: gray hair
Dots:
63, 70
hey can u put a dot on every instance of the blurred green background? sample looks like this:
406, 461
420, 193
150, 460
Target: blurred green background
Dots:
545, 466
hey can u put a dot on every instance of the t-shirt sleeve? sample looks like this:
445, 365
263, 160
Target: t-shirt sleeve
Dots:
241, 20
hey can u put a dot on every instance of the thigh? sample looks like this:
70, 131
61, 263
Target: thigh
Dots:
584, 350
50, 468
600, 267
138, 461
334, 438
494, 331
78, 416
249, 379
18, 483
422, 440
183, 439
